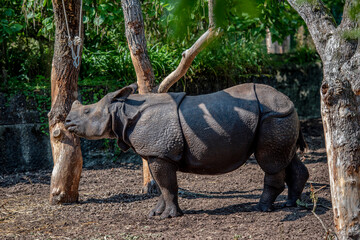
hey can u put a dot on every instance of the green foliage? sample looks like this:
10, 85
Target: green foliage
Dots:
11, 23
336, 8
354, 10
352, 34
27, 35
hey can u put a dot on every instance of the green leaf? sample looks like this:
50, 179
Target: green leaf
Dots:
86, 19
9, 12
16, 27
99, 20
103, 7
30, 15
8, 30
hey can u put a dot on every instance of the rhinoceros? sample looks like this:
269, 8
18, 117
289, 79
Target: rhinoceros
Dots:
206, 134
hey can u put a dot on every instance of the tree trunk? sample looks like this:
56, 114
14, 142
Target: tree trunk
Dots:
64, 76
275, 47
340, 110
341, 118
135, 35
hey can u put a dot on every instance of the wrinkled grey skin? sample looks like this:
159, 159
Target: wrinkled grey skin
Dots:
207, 134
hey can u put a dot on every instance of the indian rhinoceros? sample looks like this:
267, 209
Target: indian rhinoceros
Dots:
207, 134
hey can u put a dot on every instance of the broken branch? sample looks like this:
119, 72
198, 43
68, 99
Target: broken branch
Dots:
187, 57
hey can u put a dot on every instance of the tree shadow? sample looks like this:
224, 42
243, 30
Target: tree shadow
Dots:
231, 209
291, 213
38, 177
120, 198
183, 193
295, 213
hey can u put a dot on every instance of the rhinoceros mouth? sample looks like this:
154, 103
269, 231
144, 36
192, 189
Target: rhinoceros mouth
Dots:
70, 127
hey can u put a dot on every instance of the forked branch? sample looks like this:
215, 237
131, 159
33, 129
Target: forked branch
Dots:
187, 57
320, 22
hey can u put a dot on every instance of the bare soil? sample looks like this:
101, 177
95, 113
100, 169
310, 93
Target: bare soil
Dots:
216, 207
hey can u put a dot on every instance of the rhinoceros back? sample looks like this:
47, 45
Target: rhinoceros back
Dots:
219, 129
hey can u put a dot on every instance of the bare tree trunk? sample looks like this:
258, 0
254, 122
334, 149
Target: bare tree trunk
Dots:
64, 76
134, 30
275, 47
211, 13
134, 27
340, 104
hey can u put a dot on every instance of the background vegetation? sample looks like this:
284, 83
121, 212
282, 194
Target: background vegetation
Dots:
27, 39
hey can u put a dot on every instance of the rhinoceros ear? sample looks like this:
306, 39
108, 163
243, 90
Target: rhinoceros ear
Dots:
124, 92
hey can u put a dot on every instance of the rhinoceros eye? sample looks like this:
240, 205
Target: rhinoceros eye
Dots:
86, 111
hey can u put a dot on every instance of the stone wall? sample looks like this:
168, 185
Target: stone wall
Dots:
24, 147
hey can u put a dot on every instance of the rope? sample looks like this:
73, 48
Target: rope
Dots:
77, 39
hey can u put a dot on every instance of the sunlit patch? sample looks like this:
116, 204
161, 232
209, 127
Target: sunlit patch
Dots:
213, 124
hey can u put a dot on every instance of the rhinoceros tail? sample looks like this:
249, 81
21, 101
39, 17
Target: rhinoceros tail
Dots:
301, 143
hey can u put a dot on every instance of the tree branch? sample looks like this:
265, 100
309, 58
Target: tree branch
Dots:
187, 57
352, 70
320, 22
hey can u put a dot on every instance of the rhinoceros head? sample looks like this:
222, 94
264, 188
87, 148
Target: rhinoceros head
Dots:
94, 121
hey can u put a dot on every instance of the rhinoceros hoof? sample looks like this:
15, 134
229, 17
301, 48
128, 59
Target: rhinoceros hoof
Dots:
150, 188
260, 207
290, 203
171, 212
158, 209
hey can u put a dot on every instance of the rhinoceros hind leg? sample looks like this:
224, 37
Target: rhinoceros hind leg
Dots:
164, 173
274, 184
296, 177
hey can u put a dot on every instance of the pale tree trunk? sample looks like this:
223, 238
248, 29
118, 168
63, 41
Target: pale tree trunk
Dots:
134, 27
64, 76
276, 47
340, 110
135, 35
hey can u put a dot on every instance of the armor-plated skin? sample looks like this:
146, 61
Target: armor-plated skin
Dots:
206, 134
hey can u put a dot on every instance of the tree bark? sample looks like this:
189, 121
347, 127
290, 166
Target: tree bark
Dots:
211, 13
135, 35
340, 110
64, 76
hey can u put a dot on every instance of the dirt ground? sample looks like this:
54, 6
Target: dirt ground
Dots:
216, 207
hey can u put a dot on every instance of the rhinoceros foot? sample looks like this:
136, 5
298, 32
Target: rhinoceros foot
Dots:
159, 208
165, 211
263, 207
171, 211
290, 203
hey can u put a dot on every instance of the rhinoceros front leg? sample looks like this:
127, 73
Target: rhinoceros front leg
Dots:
164, 173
